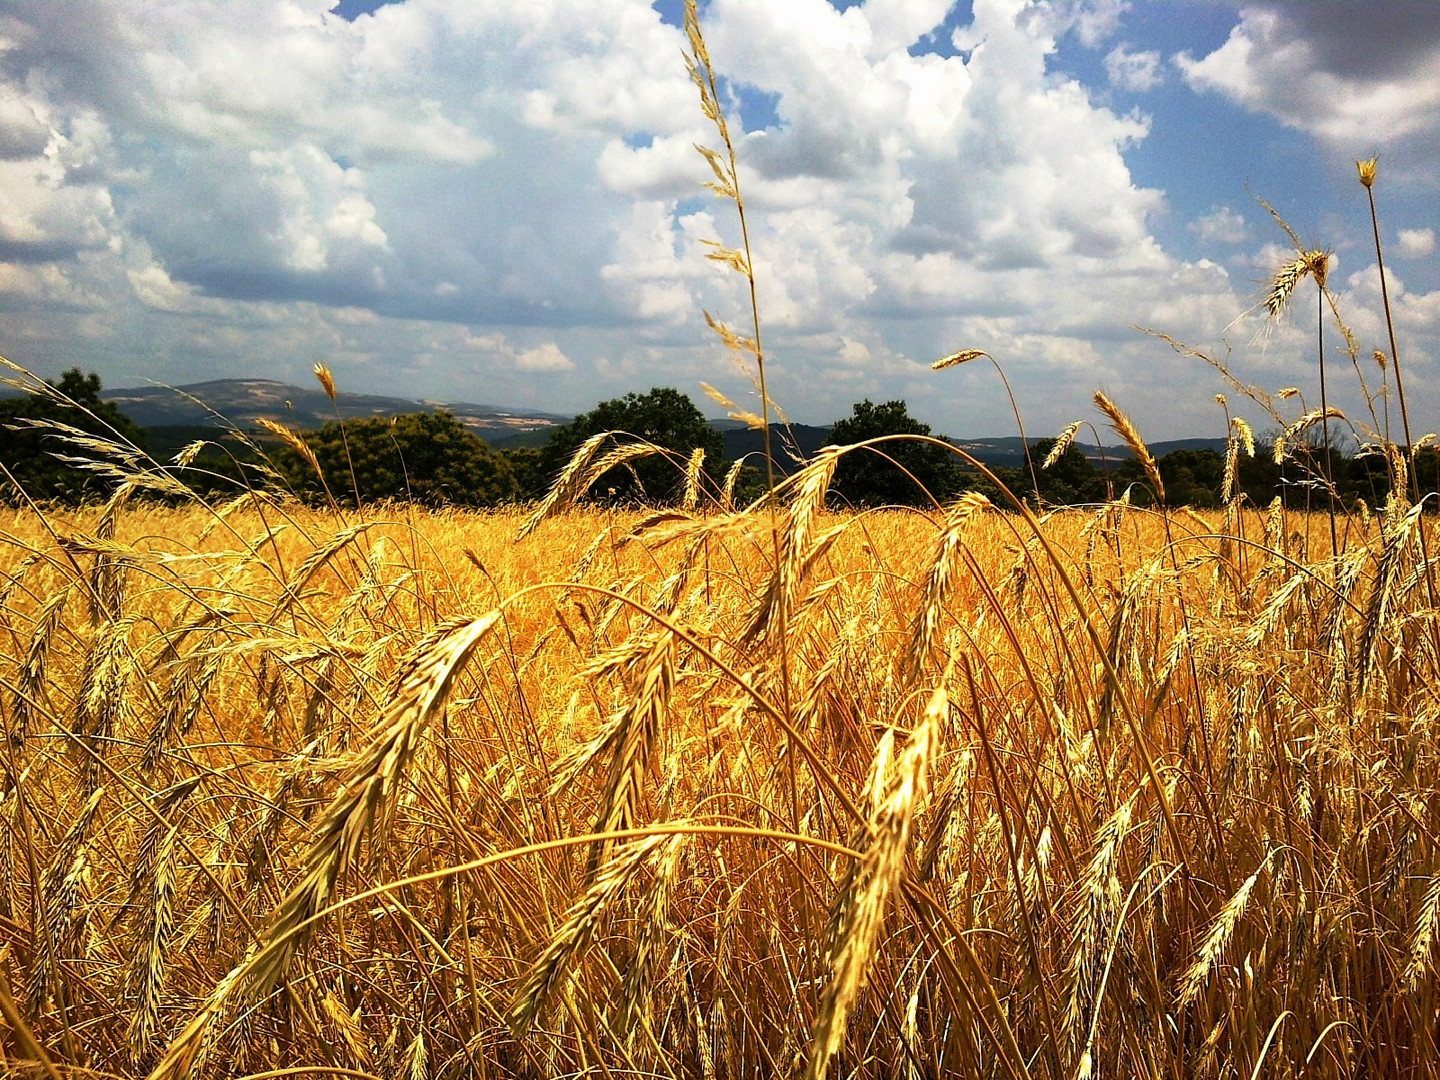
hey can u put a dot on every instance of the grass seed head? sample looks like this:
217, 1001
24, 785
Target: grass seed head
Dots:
326, 380
964, 356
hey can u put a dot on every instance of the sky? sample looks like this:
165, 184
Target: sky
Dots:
501, 202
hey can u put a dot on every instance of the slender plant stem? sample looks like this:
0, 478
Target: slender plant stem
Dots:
1394, 350
1328, 472
1434, 593
692, 17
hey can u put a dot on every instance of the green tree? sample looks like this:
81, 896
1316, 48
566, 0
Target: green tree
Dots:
865, 478
1072, 479
429, 457
1193, 477
1259, 476
665, 417
529, 469
28, 452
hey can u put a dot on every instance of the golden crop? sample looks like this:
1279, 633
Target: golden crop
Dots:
717, 793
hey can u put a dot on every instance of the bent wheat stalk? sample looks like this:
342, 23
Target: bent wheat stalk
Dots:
364, 803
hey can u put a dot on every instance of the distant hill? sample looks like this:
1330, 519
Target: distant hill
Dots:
1007, 450
243, 401
1010, 450
741, 440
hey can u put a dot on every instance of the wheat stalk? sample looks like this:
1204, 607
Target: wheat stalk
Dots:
859, 911
1219, 936
1126, 430
577, 931
938, 582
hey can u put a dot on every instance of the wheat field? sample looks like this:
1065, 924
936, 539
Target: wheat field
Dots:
717, 793
722, 791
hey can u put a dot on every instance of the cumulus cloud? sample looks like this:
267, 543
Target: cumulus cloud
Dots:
1137, 72
1416, 243
465, 199
1221, 225
1355, 75
22, 134
547, 357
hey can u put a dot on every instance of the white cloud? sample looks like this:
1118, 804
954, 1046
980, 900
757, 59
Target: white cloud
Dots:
1221, 225
1356, 75
463, 199
1416, 243
546, 357
1137, 72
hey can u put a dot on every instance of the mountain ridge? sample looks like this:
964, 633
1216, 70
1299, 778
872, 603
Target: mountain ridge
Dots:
244, 401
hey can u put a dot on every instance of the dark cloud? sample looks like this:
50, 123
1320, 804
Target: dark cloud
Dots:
1372, 41
76, 51
42, 251
1361, 77
21, 133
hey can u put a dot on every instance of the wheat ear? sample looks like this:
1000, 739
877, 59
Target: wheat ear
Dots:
655, 929
351, 1034
633, 739
32, 680
147, 971
809, 486
938, 582
576, 932
1100, 899
364, 803
1126, 430
1422, 939
59, 895
691, 498
859, 910
1219, 936
1063, 442
369, 789
1382, 596
564, 491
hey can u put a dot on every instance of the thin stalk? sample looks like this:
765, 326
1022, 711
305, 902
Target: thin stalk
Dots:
1394, 351
692, 19
1329, 469
1367, 178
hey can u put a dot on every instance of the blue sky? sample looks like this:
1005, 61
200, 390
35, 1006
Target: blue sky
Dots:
489, 201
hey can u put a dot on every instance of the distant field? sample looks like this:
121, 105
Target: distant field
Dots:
1090, 800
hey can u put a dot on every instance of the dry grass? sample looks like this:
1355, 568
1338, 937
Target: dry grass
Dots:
306, 793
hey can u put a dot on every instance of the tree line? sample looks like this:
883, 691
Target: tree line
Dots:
432, 458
